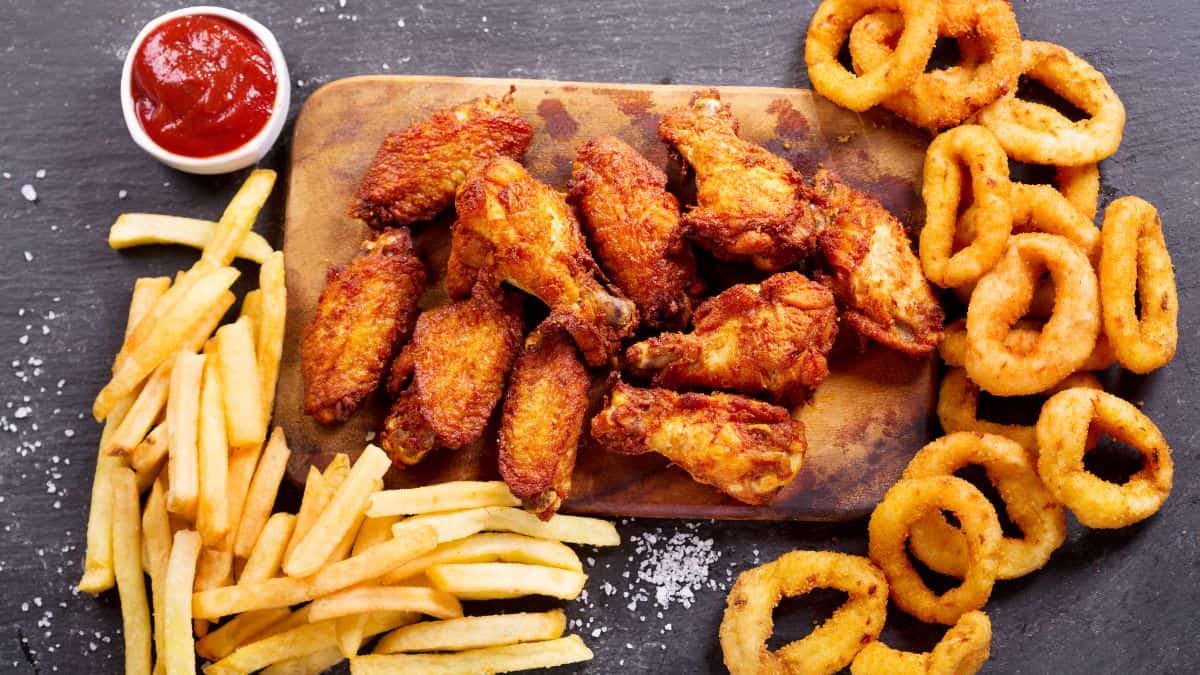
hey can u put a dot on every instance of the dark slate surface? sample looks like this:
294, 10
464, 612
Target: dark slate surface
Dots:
1109, 602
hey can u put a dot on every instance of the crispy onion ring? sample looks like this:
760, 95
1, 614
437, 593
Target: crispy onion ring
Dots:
1134, 259
829, 29
909, 501
1032, 132
1081, 186
962, 651
1029, 504
958, 408
944, 98
1038, 208
1063, 432
978, 149
747, 623
1003, 296
1021, 339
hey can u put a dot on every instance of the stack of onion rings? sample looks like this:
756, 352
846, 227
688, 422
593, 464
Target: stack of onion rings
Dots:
1021, 339
962, 651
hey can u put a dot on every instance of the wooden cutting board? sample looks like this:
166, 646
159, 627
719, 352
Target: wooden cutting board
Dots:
864, 422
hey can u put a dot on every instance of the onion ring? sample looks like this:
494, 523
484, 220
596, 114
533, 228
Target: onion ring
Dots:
1032, 132
1081, 186
1063, 432
962, 651
1021, 339
747, 623
912, 499
1134, 259
1029, 504
988, 69
831, 26
942, 190
1002, 297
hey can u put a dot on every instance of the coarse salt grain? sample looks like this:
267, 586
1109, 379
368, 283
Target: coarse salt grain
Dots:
28, 192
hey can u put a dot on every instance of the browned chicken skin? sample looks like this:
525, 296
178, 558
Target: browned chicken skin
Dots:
416, 171
768, 338
873, 271
544, 412
748, 200
364, 313
745, 448
406, 436
634, 227
523, 232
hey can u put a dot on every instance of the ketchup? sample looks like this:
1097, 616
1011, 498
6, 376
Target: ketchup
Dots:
202, 85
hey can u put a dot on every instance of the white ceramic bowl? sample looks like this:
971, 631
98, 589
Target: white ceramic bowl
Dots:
238, 158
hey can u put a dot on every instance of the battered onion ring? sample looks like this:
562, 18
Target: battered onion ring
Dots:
829, 29
1032, 132
1134, 259
909, 501
962, 651
1021, 339
942, 190
1063, 432
943, 98
1038, 208
1029, 504
1003, 296
748, 623
958, 408
1081, 186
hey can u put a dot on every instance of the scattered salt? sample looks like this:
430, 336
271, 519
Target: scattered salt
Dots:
28, 192
28, 256
122, 194
41, 173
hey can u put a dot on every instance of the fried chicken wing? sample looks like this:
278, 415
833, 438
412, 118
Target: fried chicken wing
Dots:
406, 437
745, 448
416, 171
461, 354
364, 313
748, 200
543, 416
771, 337
523, 232
634, 227
873, 271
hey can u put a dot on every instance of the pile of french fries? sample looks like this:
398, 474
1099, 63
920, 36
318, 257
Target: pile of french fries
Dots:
186, 483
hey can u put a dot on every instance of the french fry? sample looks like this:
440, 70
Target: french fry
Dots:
261, 495
178, 654
278, 592
524, 656
127, 565
488, 547
98, 563
448, 526
252, 310
337, 470
214, 569
316, 495
570, 529
234, 226
267, 555
152, 451
347, 505
242, 464
474, 632
499, 581
309, 664
156, 530
452, 496
342, 550
373, 562
212, 512
244, 419
238, 631
141, 229
271, 325
385, 598
183, 412
373, 532
146, 292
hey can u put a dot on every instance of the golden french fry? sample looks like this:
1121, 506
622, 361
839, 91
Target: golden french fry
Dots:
310, 664
317, 494
146, 292
571, 529
452, 496
252, 310
373, 562
498, 581
261, 496
488, 547
233, 228
212, 512
177, 604
474, 632
242, 464
448, 526
141, 229
385, 598
214, 569
238, 631
509, 658
183, 417
152, 451
346, 506
271, 325
127, 565
373, 532
244, 419
97, 564
267, 555
156, 530
278, 592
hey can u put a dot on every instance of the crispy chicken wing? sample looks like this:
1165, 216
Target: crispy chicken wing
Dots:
416, 171
522, 231
873, 270
745, 448
406, 436
770, 337
634, 227
364, 313
748, 200
544, 412
461, 354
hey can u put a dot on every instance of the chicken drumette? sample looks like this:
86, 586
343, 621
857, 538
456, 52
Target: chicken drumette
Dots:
523, 232
771, 337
